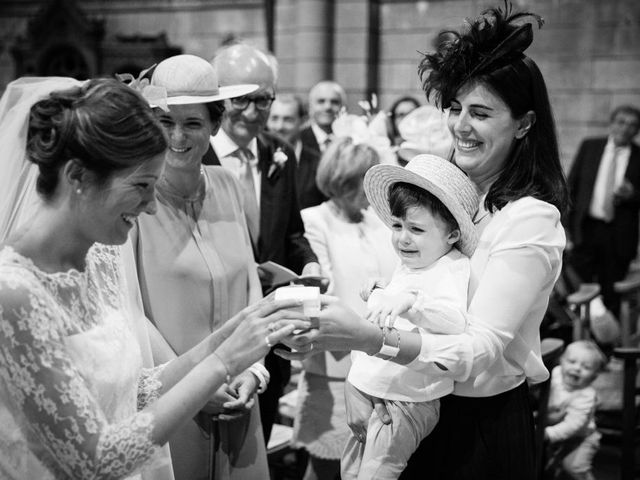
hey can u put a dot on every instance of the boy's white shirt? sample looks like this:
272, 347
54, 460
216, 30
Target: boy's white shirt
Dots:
441, 304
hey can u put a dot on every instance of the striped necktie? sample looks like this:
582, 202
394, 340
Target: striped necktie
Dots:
610, 186
251, 210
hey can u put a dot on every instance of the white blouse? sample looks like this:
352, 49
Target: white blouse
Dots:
513, 270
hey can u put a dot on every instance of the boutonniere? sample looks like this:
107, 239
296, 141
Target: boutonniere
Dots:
277, 162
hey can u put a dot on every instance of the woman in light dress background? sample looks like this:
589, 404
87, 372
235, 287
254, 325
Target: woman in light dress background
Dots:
352, 245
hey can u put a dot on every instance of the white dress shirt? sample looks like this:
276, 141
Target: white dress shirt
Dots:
440, 309
226, 149
598, 200
321, 136
513, 270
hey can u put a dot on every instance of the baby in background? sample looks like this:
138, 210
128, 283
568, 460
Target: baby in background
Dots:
429, 206
571, 431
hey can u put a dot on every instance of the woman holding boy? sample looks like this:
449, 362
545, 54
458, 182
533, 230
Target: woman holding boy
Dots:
505, 141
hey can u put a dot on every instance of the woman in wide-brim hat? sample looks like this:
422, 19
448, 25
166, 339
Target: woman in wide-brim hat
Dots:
195, 266
504, 140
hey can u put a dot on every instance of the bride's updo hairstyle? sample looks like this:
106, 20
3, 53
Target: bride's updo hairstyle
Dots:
489, 50
104, 125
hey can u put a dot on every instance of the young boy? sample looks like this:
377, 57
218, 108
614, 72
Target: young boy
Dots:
571, 433
429, 205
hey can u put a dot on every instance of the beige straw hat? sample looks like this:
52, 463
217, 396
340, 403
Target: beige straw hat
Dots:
437, 176
190, 79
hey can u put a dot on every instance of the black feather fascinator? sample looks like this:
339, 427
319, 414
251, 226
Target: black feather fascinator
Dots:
496, 38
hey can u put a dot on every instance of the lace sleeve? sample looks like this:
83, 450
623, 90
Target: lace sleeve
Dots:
149, 385
48, 394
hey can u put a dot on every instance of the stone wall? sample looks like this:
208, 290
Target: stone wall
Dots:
588, 50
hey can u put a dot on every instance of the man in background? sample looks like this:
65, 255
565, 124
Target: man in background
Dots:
265, 166
286, 118
604, 184
326, 99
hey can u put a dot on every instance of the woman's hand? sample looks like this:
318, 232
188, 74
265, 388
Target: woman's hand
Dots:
256, 329
340, 329
217, 404
243, 388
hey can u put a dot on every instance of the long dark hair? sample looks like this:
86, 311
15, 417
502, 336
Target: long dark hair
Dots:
490, 52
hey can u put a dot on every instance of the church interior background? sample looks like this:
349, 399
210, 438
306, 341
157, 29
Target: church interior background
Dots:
588, 50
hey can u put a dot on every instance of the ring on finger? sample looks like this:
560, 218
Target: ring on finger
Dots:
268, 342
387, 321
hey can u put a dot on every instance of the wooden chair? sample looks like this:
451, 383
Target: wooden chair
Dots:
552, 349
622, 427
629, 291
579, 303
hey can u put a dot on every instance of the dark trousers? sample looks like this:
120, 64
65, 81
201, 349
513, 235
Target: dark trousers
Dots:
280, 371
596, 259
487, 438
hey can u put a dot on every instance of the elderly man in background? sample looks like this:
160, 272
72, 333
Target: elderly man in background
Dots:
286, 119
326, 99
265, 167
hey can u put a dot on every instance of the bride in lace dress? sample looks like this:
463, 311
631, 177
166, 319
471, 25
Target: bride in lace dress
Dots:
75, 400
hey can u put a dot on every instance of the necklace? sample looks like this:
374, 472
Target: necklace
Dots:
165, 187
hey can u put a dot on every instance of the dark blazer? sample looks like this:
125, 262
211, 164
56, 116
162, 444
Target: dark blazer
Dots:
581, 182
282, 237
309, 139
308, 193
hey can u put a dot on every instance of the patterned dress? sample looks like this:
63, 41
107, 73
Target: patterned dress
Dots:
71, 376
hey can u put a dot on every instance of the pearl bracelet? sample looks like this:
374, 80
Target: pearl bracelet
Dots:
262, 374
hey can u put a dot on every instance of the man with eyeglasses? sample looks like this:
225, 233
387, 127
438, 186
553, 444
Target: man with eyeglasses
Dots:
265, 166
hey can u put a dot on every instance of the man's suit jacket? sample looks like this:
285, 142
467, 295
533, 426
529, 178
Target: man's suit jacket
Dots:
581, 183
282, 237
308, 193
309, 140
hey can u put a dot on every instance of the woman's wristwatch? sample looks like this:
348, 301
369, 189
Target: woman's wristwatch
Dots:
389, 349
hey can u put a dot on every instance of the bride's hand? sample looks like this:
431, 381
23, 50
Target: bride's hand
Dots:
340, 329
217, 404
256, 329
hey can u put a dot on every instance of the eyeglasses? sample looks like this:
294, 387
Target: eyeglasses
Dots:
261, 103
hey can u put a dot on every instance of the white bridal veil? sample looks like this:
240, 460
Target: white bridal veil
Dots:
19, 202
18, 198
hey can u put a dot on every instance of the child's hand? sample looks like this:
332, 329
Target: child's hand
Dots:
388, 307
369, 286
